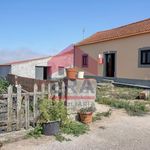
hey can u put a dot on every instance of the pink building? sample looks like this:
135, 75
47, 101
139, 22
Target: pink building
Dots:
58, 63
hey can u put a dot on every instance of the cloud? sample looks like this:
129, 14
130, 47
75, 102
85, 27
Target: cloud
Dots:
15, 55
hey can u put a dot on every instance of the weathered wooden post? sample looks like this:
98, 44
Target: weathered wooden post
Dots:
63, 91
35, 102
49, 90
9, 112
19, 98
43, 90
27, 111
57, 91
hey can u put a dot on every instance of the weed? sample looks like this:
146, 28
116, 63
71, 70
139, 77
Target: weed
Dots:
36, 132
75, 128
135, 108
127, 93
98, 115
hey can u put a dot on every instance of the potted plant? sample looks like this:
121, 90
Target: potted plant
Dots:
71, 73
86, 114
52, 114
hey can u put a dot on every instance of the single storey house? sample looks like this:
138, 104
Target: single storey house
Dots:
33, 68
121, 54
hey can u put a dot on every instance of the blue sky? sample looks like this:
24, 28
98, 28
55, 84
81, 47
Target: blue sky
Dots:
31, 28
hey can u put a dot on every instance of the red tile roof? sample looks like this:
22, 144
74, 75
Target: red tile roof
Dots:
23, 61
132, 29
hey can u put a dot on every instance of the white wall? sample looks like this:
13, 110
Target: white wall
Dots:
27, 69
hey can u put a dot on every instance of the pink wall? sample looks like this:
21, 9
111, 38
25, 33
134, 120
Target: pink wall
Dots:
72, 56
63, 59
92, 68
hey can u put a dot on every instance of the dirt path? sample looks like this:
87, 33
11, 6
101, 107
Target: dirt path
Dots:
119, 132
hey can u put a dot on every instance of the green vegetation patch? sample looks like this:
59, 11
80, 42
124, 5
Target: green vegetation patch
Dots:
75, 128
134, 108
3, 85
98, 115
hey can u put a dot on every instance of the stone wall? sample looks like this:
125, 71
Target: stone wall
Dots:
80, 93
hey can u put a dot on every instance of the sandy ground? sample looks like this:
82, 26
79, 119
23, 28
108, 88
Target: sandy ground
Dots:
118, 132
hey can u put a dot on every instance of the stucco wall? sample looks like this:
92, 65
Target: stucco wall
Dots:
126, 56
62, 60
4, 70
27, 69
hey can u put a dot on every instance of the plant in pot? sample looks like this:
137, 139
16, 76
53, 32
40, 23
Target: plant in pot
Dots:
86, 114
52, 114
71, 73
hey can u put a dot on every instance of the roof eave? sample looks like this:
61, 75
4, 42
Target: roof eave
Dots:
110, 39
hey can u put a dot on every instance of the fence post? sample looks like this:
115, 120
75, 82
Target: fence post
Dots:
19, 98
27, 111
35, 102
43, 90
57, 90
63, 91
49, 90
9, 115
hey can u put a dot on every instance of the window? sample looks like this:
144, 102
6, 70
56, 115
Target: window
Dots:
85, 60
61, 70
145, 57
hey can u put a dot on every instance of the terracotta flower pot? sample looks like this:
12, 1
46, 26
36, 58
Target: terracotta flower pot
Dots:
86, 117
71, 73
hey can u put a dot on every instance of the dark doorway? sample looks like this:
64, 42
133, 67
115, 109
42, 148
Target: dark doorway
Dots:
45, 73
110, 64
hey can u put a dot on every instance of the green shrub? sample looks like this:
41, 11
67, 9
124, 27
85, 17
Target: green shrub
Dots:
3, 85
51, 110
55, 110
75, 128
36, 132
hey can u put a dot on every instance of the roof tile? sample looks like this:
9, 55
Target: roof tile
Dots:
132, 29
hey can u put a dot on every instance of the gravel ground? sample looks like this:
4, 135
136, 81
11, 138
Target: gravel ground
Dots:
118, 132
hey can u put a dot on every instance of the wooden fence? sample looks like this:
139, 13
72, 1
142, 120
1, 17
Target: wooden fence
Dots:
19, 108
27, 83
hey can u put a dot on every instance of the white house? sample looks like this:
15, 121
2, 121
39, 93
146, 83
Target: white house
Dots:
33, 68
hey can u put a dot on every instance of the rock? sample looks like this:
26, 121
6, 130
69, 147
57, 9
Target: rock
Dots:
1, 144
144, 94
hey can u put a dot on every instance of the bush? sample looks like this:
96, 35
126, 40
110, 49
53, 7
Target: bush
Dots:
56, 110
3, 85
52, 110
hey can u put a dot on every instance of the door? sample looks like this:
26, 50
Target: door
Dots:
110, 65
39, 72
42, 73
